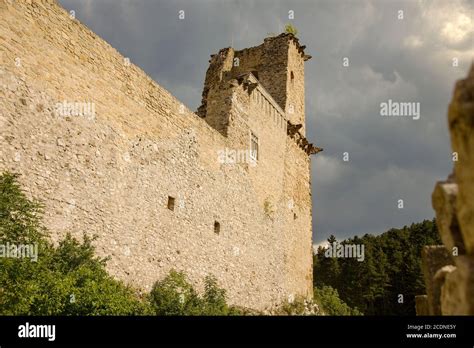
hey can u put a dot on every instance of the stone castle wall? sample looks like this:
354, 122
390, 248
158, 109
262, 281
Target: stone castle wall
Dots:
111, 174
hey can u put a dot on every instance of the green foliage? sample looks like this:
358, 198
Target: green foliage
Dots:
331, 304
19, 217
326, 301
64, 280
174, 295
296, 307
392, 266
290, 29
299, 306
214, 299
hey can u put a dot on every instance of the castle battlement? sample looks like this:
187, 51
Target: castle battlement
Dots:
259, 94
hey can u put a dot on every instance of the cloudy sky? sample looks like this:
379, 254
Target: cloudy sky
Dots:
398, 50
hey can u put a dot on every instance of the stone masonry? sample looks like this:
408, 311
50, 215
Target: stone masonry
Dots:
141, 171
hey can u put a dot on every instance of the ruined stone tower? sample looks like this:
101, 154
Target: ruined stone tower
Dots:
161, 186
277, 64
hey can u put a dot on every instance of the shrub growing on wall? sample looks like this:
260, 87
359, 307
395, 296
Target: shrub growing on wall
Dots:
174, 295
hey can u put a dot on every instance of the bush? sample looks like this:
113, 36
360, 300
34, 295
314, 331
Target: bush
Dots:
299, 306
290, 29
174, 295
330, 302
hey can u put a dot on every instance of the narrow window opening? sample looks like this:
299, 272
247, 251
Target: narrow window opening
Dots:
171, 203
253, 147
292, 77
217, 227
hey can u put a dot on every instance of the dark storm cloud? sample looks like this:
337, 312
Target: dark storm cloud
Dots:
407, 59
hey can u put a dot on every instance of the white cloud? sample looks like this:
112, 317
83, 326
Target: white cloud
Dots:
413, 41
450, 21
457, 30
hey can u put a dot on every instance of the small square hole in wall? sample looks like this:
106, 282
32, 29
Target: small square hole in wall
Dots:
217, 227
171, 203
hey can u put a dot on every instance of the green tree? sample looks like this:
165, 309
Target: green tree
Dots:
391, 267
331, 304
174, 295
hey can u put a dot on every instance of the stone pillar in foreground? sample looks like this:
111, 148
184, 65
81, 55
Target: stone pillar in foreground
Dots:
450, 288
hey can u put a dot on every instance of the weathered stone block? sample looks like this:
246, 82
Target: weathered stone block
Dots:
422, 307
433, 258
461, 126
457, 293
444, 203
